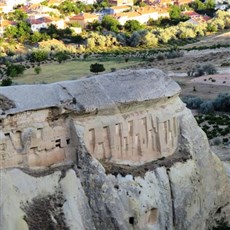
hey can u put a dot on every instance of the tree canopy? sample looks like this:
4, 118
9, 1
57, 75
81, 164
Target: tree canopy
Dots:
96, 68
110, 23
132, 25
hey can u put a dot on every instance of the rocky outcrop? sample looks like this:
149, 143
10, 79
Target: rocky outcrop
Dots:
151, 169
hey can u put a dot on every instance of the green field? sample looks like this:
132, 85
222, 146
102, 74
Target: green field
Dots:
72, 70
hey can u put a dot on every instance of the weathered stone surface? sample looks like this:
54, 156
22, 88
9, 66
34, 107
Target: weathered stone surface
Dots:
100, 92
186, 187
132, 123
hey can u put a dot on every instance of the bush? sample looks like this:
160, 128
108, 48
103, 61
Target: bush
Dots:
174, 54
160, 57
14, 70
200, 70
192, 102
206, 107
37, 69
209, 69
6, 82
38, 56
225, 140
62, 56
96, 68
222, 102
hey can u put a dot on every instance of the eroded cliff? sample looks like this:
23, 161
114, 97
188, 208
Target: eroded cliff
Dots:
116, 151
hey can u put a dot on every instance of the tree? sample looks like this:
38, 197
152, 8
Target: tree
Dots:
18, 15
37, 69
210, 4
14, 70
175, 12
61, 56
150, 39
132, 25
110, 23
38, 56
6, 82
96, 68
135, 39
68, 7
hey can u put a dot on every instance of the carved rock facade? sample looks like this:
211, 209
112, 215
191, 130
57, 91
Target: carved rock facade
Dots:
116, 151
122, 130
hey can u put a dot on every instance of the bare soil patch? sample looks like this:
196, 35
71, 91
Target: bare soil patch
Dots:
217, 79
223, 38
177, 68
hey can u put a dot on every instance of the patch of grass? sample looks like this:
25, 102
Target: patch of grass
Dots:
72, 70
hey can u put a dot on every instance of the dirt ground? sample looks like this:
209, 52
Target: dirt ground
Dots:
191, 87
222, 38
177, 68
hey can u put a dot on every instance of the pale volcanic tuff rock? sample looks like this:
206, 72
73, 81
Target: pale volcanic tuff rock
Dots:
100, 92
183, 189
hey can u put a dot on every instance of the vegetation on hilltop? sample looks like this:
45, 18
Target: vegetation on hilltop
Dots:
97, 35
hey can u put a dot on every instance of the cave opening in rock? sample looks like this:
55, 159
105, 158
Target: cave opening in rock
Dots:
131, 220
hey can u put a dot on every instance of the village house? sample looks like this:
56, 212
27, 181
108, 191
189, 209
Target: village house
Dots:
119, 9
196, 18
182, 2
84, 19
53, 2
148, 13
113, 10
88, 2
59, 23
142, 15
124, 17
5, 8
166, 2
121, 2
40, 23
13, 3
163, 12
44, 10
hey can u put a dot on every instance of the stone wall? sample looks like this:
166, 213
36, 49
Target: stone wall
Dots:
132, 124
133, 137
30, 139
40, 139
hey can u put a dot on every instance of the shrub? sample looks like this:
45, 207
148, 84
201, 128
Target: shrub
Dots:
225, 140
37, 69
174, 54
206, 107
192, 102
6, 82
209, 69
222, 102
200, 70
160, 57
96, 68
61, 56
38, 56
14, 70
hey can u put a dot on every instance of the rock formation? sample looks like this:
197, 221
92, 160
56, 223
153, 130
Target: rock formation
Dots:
115, 151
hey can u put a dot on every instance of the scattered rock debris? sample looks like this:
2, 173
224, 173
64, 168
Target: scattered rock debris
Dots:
6, 103
45, 213
140, 170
